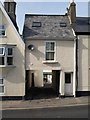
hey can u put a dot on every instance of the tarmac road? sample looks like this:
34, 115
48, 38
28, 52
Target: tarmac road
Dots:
59, 112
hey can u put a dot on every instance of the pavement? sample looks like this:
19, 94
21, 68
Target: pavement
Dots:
43, 103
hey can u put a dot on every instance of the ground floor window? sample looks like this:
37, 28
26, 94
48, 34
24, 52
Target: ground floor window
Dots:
2, 86
47, 78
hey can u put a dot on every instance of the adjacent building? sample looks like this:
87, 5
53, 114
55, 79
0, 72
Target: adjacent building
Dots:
12, 53
82, 30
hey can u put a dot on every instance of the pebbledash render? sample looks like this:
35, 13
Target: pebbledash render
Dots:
54, 53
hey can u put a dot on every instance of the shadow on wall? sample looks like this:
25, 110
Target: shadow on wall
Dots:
38, 54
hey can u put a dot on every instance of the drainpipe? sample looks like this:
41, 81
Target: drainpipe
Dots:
74, 75
76, 63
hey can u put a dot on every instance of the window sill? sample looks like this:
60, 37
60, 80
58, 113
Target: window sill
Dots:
1, 36
2, 94
7, 66
50, 62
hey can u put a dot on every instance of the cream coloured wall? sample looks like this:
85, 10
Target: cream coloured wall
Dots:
14, 76
35, 60
83, 63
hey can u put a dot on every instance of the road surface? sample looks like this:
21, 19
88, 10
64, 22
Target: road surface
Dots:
60, 112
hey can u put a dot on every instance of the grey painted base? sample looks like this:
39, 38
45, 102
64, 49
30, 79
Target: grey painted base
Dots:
82, 93
2, 98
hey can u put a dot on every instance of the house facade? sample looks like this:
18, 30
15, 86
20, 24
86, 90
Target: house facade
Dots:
82, 30
50, 53
81, 26
12, 70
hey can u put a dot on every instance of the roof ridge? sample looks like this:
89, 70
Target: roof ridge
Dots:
30, 14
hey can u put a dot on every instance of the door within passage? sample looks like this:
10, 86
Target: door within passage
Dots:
68, 84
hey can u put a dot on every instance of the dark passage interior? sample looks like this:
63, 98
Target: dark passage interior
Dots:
49, 90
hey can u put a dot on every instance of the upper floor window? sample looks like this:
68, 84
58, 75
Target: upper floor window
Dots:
50, 51
6, 56
2, 30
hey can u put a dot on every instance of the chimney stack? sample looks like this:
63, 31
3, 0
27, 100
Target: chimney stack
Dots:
10, 7
71, 12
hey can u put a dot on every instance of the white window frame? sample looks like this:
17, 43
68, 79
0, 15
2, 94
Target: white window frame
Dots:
3, 29
5, 55
3, 51
2, 85
49, 51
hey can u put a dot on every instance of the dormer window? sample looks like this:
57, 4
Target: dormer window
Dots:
36, 24
2, 30
63, 24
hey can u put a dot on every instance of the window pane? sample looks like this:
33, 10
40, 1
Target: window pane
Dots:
50, 46
1, 81
2, 32
49, 55
10, 60
36, 24
10, 51
1, 50
2, 60
1, 89
67, 77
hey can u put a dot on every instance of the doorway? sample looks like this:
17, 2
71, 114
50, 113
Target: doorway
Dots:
56, 81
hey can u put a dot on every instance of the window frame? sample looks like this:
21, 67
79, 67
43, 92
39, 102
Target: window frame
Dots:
2, 85
10, 56
2, 29
5, 55
3, 51
63, 24
50, 51
36, 24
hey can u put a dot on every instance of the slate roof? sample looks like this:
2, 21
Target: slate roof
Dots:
82, 25
50, 27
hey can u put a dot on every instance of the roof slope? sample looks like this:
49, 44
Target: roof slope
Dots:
50, 27
82, 25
